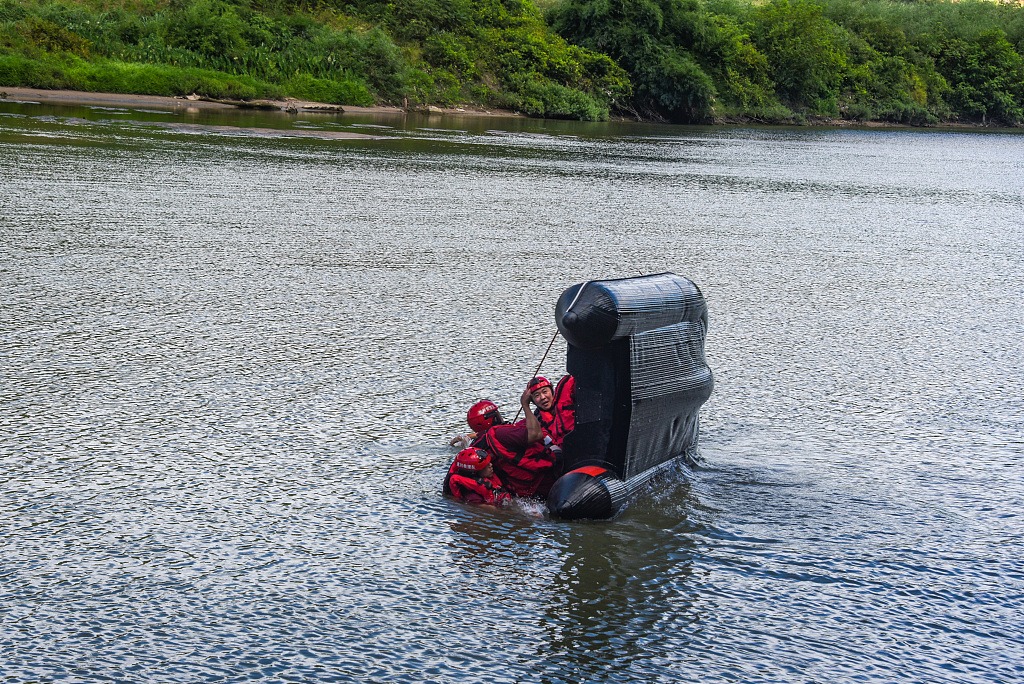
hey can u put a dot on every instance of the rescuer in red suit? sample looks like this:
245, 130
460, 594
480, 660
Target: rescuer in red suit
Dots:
471, 479
556, 408
522, 459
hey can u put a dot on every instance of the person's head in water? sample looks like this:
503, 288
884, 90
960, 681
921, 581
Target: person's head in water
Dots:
483, 415
475, 463
541, 393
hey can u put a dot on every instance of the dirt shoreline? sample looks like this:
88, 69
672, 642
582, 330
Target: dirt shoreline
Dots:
77, 97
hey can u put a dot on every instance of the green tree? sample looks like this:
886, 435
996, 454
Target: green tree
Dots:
986, 77
805, 51
651, 39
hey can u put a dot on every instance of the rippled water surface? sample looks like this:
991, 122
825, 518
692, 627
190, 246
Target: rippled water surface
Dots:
230, 359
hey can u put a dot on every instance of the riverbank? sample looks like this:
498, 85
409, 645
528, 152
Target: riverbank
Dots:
920, 64
194, 102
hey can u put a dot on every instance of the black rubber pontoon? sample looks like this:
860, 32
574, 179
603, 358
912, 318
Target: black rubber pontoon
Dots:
636, 350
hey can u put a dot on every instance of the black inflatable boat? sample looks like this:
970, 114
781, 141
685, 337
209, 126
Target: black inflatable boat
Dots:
636, 350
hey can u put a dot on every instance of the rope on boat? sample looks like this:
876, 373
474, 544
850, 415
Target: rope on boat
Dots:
551, 343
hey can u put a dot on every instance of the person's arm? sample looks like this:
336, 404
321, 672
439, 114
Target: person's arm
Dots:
534, 431
462, 441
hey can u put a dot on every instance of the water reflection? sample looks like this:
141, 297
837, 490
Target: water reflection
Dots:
613, 594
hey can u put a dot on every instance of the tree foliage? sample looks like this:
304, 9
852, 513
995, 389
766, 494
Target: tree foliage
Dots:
806, 53
778, 60
908, 61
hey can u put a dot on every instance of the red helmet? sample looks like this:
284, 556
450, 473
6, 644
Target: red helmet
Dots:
537, 383
472, 461
482, 415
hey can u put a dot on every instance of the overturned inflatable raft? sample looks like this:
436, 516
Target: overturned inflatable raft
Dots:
636, 350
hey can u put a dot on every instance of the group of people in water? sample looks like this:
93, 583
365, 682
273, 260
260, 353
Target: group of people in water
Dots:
505, 460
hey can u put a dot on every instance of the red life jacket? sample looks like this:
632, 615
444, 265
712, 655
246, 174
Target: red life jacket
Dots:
560, 419
526, 471
475, 491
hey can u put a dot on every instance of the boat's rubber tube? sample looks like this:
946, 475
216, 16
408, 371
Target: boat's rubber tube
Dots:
587, 492
594, 492
636, 350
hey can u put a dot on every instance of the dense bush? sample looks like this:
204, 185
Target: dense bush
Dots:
500, 52
930, 61
653, 40
210, 47
784, 60
493, 52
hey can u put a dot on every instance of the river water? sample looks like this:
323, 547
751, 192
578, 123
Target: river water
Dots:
231, 357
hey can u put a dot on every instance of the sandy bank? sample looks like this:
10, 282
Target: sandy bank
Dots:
74, 97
